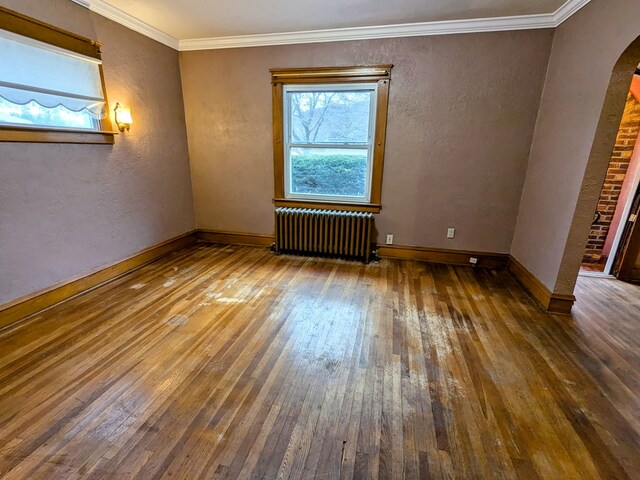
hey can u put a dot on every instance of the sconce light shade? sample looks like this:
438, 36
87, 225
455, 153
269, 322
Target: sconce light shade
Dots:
123, 117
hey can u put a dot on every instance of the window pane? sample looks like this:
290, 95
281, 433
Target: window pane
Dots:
329, 117
328, 171
33, 114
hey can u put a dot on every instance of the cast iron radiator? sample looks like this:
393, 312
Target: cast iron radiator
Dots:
324, 233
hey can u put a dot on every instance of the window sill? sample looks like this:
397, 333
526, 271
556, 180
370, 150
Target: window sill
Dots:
55, 135
350, 207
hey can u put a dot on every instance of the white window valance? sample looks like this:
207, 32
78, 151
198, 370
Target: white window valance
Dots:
32, 71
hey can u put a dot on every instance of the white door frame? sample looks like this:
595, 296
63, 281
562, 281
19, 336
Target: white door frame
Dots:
623, 222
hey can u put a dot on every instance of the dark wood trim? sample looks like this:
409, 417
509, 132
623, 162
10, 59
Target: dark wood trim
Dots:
443, 255
235, 238
355, 74
278, 140
561, 304
550, 302
35, 302
45, 135
105, 123
20, 24
348, 207
530, 282
434, 255
379, 141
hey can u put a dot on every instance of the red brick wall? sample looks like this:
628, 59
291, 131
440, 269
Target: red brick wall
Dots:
625, 142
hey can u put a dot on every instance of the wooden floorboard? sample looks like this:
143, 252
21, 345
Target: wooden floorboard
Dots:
229, 362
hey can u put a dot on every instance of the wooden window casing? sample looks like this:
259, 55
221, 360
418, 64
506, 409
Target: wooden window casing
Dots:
20, 24
380, 74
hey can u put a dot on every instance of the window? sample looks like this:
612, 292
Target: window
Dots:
51, 86
329, 128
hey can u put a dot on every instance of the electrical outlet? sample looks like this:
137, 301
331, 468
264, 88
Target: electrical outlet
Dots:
389, 238
451, 232
473, 260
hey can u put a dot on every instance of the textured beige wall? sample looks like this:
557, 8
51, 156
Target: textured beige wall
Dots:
461, 114
563, 184
68, 209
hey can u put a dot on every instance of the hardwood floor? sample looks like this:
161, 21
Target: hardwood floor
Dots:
229, 362
592, 267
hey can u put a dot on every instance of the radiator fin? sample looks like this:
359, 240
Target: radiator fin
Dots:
324, 233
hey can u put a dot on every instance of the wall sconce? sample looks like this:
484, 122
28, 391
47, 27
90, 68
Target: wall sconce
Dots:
123, 117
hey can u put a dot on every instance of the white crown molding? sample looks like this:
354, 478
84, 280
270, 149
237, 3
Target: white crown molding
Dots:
112, 13
365, 33
569, 8
476, 25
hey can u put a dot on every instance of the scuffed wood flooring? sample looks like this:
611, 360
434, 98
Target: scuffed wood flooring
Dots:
229, 362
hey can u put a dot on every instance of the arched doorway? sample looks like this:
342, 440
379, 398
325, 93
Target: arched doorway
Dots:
606, 245
599, 158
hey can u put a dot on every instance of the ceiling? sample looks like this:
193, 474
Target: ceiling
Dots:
193, 24
206, 18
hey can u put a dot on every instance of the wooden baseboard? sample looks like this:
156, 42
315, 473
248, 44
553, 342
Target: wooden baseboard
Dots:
235, 238
436, 255
443, 255
550, 302
43, 299
37, 301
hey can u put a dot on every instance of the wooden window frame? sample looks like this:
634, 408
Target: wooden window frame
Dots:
20, 24
380, 74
